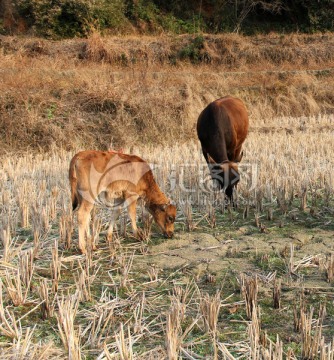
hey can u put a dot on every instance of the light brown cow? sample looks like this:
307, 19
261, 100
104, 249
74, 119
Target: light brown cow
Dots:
122, 179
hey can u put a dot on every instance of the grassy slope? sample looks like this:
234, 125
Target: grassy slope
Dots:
129, 90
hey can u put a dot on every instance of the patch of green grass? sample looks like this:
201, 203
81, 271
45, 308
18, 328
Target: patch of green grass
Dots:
205, 349
270, 262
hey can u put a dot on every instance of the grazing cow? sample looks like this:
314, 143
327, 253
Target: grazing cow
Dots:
222, 127
122, 179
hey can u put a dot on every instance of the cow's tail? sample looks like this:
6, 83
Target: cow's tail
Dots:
74, 182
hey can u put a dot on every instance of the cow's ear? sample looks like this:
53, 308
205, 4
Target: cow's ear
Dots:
163, 207
210, 160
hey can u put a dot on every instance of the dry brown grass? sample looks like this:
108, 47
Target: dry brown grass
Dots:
56, 303
311, 333
67, 310
249, 289
83, 87
276, 170
89, 320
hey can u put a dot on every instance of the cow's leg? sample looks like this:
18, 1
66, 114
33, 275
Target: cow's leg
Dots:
235, 197
229, 194
205, 154
132, 212
115, 213
83, 223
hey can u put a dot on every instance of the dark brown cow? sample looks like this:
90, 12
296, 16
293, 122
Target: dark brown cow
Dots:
222, 127
122, 179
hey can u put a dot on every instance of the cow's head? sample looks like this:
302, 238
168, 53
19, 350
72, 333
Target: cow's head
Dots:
164, 215
226, 174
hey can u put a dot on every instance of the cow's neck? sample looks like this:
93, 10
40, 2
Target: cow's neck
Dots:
223, 152
154, 195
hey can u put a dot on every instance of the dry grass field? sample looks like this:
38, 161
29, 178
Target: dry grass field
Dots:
255, 282
140, 90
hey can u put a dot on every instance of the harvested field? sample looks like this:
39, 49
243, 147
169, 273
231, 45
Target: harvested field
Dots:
133, 286
255, 282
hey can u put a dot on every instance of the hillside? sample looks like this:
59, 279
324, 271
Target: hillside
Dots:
252, 281
145, 89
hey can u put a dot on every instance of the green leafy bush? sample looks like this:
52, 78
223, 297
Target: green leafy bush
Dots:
193, 50
69, 18
63, 18
110, 14
320, 16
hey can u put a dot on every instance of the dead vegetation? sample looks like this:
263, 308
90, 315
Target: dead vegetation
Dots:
224, 288
125, 300
138, 90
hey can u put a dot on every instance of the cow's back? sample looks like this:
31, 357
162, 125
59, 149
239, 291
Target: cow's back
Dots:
97, 171
222, 127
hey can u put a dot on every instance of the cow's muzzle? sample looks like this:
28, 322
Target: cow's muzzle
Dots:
168, 234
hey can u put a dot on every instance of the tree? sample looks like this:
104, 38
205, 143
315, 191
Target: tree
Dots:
244, 7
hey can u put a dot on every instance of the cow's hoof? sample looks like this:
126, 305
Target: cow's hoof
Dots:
140, 235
